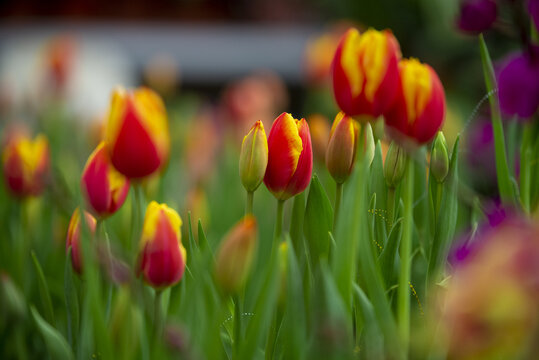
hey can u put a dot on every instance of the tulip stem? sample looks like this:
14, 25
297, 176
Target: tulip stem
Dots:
390, 207
110, 268
338, 201
249, 208
135, 215
237, 326
279, 220
157, 316
403, 293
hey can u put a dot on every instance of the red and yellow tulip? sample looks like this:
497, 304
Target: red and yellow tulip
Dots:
235, 255
365, 72
290, 158
26, 164
162, 257
137, 134
73, 237
342, 146
419, 108
104, 188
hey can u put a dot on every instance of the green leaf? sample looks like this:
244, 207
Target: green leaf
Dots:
387, 257
373, 342
318, 221
447, 219
296, 224
502, 169
43, 290
57, 345
71, 301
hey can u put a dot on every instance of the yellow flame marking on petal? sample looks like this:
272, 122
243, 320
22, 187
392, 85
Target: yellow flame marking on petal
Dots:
416, 86
151, 111
151, 221
115, 114
350, 61
30, 152
373, 45
338, 119
291, 132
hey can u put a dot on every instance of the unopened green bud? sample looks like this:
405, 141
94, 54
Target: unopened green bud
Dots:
394, 165
253, 157
235, 256
439, 160
370, 144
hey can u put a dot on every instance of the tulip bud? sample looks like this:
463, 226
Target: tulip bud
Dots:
394, 165
477, 16
235, 255
137, 133
162, 257
370, 145
290, 157
253, 157
365, 72
73, 237
104, 188
26, 165
419, 109
439, 160
342, 146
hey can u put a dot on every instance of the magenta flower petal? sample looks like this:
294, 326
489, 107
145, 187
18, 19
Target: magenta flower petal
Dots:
477, 15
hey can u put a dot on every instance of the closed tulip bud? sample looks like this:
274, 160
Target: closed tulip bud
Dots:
253, 157
342, 146
74, 236
439, 160
365, 72
26, 165
137, 134
235, 255
419, 109
162, 257
104, 188
394, 165
290, 158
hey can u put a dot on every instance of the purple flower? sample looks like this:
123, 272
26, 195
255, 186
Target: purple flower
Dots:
533, 8
518, 84
477, 15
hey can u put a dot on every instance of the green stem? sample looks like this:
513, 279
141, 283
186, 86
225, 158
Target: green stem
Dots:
502, 169
249, 208
237, 326
157, 315
110, 268
136, 212
390, 207
338, 201
439, 192
403, 294
279, 220
525, 167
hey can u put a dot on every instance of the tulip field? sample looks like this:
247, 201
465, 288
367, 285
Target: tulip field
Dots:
172, 229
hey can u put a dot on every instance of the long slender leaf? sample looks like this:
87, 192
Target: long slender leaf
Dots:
57, 345
43, 290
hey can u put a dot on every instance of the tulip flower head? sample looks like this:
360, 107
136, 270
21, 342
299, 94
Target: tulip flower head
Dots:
365, 72
104, 188
137, 134
253, 157
235, 256
26, 165
162, 257
73, 237
419, 109
477, 16
342, 146
290, 157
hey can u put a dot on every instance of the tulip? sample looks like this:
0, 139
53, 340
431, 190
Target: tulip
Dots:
137, 135
533, 9
290, 158
394, 165
439, 160
73, 237
162, 257
477, 16
26, 165
253, 157
518, 85
365, 72
419, 109
342, 146
103, 186
235, 255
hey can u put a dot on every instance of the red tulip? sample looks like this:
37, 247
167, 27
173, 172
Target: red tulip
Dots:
26, 164
290, 158
137, 133
342, 147
162, 257
73, 237
104, 188
365, 72
419, 109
